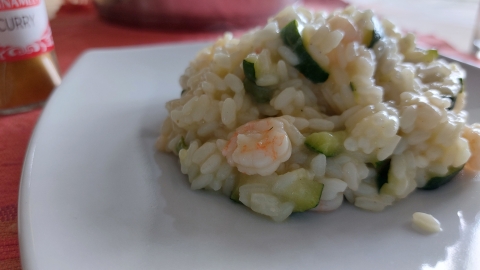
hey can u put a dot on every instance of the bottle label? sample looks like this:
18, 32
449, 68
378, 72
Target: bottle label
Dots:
24, 29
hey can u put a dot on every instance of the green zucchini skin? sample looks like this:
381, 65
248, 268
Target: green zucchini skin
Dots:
376, 36
382, 172
371, 37
462, 85
453, 99
304, 192
352, 87
438, 181
249, 70
431, 55
181, 145
260, 94
307, 66
235, 195
383, 168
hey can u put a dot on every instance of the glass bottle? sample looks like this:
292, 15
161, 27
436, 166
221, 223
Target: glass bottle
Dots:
28, 65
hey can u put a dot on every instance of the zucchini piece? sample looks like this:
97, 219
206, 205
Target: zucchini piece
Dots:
371, 37
305, 194
235, 195
328, 143
452, 104
382, 172
244, 179
260, 94
383, 168
303, 191
249, 70
431, 55
181, 145
419, 55
352, 86
308, 67
454, 98
438, 181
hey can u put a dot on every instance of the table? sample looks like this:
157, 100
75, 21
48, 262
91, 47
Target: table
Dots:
75, 30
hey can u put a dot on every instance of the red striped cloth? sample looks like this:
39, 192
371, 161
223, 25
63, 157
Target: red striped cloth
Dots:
15, 132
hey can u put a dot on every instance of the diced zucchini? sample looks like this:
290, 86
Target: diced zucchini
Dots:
296, 187
436, 182
352, 86
181, 145
260, 94
453, 98
249, 70
370, 37
382, 168
419, 55
235, 195
244, 179
327, 143
308, 67
452, 104
462, 85
431, 55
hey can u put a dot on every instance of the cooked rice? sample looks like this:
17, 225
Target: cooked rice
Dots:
425, 223
393, 103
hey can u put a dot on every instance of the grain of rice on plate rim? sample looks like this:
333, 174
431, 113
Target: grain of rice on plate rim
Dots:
399, 111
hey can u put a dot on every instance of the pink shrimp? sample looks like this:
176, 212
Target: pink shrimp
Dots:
258, 147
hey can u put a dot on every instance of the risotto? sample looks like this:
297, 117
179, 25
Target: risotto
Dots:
314, 109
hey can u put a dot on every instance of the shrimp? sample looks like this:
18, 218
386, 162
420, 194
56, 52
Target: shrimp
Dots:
472, 134
258, 147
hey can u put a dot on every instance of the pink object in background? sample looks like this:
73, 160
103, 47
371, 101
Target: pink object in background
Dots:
79, 2
186, 14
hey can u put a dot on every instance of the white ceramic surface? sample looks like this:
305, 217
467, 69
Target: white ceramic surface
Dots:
96, 195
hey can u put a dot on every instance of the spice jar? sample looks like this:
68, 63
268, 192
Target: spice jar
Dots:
28, 66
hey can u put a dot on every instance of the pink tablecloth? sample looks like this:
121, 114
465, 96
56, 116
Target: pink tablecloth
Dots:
76, 30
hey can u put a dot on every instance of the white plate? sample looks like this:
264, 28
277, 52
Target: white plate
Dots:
96, 195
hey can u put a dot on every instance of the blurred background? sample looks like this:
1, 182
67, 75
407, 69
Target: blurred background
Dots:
77, 25
451, 20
